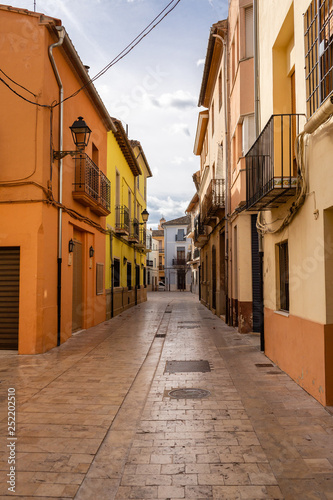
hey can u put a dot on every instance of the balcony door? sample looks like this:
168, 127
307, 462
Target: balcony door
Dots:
180, 255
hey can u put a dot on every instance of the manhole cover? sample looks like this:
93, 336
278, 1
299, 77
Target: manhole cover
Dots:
188, 393
187, 366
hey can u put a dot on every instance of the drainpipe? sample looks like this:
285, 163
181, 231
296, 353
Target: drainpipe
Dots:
226, 246
112, 272
61, 35
257, 131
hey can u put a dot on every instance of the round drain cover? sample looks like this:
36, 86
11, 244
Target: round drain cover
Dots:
189, 393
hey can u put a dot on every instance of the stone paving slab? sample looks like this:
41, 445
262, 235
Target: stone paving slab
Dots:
95, 419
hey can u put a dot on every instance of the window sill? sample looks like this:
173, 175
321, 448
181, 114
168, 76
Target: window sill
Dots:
282, 313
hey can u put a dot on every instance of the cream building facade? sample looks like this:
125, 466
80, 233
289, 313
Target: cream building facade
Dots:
210, 181
289, 181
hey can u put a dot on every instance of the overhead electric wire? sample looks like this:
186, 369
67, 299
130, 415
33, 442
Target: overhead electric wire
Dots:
127, 49
118, 58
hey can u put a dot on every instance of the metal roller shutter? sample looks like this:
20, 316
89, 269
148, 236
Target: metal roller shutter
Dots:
9, 296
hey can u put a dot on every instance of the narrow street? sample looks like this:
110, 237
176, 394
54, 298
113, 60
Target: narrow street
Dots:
95, 420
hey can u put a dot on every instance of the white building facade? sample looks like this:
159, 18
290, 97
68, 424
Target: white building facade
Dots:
176, 248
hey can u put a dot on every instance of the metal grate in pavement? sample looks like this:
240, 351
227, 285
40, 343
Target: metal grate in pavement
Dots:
187, 366
188, 393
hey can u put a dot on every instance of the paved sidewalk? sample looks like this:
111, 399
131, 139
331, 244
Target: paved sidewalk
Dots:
95, 419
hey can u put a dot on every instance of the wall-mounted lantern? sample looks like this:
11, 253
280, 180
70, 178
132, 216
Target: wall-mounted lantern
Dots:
144, 215
81, 135
91, 252
71, 246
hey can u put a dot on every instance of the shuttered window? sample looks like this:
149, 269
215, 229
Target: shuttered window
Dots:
9, 297
249, 32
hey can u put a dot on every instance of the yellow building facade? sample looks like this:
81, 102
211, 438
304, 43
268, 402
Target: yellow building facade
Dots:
126, 240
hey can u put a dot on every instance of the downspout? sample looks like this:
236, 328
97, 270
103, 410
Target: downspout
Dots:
61, 34
112, 272
226, 247
257, 132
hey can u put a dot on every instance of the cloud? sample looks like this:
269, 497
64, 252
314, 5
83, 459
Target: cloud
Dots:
200, 62
167, 207
179, 99
180, 128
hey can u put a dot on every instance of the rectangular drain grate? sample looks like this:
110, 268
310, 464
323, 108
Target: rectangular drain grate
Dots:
264, 365
160, 335
187, 366
188, 327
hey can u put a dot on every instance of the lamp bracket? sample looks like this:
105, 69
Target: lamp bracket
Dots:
59, 155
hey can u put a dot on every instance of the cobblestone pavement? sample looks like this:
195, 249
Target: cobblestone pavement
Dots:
95, 419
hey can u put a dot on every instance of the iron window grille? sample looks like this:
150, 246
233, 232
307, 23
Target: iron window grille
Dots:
318, 38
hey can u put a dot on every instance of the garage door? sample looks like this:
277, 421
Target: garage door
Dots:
9, 296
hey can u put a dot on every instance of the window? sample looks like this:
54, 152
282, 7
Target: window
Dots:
129, 275
116, 272
99, 279
180, 236
248, 133
284, 275
212, 117
180, 255
318, 33
249, 32
117, 189
220, 89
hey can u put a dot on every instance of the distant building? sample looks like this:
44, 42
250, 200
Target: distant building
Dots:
158, 234
152, 262
177, 272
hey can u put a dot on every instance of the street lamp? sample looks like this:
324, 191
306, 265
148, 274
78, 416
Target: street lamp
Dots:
81, 135
145, 215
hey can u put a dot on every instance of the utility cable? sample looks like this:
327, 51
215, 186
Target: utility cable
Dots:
118, 58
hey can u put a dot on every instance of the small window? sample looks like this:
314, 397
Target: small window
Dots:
129, 275
220, 89
116, 272
212, 117
248, 133
249, 32
180, 235
284, 276
99, 279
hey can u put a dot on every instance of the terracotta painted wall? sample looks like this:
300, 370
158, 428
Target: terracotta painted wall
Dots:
26, 160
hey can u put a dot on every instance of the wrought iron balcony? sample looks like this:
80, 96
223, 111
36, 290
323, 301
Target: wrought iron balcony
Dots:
122, 220
196, 253
161, 250
200, 232
134, 231
271, 168
180, 261
214, 200
91, 187
142, 237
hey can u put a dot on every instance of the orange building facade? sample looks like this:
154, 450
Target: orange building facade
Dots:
52, 206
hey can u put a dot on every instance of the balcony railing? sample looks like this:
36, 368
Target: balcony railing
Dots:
161, 267
181, 261
196, 253
134, 231
122, 220
161, 250
91, 186
149, 263
214, 200
200, 232
271, 168
143, 237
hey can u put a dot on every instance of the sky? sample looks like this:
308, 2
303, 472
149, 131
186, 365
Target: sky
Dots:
154, 89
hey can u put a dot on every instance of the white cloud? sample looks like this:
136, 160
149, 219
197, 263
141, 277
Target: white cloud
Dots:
179, 99
180, 128
200, 62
